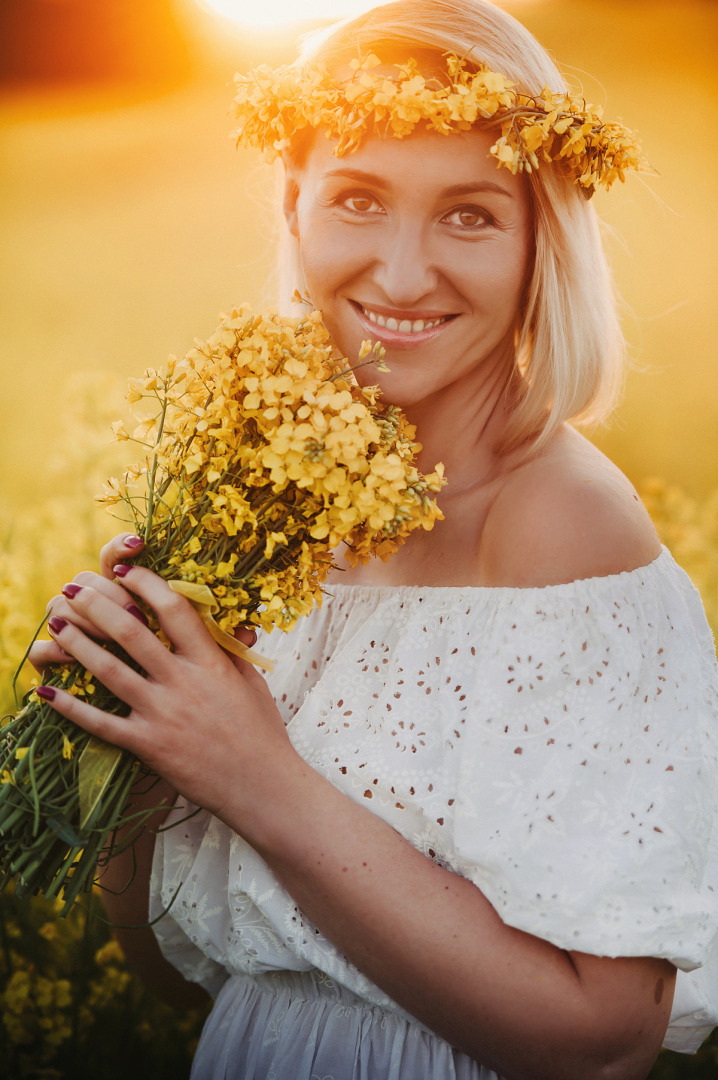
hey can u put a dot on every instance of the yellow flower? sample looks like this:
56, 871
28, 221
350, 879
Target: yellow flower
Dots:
274, 443
273, 539
109, 953
120, 431
272, 106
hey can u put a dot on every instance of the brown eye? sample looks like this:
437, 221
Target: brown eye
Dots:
361, 203
468, 217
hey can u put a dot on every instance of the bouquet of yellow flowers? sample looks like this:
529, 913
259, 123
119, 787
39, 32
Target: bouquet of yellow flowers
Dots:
262, 454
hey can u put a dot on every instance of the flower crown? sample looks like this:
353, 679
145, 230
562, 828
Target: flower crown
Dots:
273, 105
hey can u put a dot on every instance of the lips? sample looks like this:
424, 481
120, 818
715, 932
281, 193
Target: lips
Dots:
402, 326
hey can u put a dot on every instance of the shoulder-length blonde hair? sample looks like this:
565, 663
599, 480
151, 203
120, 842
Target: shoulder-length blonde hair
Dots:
569, 346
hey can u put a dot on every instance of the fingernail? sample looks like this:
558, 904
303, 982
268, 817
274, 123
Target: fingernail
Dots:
121, 569
47, 692
133, 542
134, 610
253, 642
71, 591
56, 624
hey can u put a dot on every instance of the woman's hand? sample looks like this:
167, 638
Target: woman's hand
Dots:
125, 546
205, 722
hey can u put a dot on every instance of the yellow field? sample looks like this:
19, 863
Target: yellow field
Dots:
128, 227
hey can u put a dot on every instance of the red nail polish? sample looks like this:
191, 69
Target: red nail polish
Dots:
56, 624
71, 590
133, 542
121, 569
134, 610
47, 692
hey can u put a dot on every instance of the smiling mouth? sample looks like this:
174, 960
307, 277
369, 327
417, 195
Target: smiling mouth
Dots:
402, 326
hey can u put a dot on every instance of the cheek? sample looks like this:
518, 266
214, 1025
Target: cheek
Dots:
320, 259
511, 273
494, 285
331, 253
317, 271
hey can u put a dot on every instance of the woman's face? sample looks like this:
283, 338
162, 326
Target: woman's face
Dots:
422, 244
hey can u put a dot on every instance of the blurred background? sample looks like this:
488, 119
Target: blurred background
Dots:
129, 220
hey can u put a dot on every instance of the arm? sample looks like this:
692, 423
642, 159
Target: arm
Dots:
513, 1002
125, 883
433, 942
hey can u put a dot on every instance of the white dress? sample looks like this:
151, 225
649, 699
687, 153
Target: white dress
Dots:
558, 747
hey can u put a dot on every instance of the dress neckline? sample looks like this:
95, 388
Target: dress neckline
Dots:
664, 558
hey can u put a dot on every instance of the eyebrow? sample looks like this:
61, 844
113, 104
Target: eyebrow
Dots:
450, 192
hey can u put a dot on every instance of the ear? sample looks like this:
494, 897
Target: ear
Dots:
291, 195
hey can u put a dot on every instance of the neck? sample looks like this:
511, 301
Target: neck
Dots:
462, 427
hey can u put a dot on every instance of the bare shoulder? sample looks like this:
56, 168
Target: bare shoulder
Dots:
567, 514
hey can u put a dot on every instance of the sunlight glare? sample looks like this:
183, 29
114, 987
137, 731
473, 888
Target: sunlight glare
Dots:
276, 13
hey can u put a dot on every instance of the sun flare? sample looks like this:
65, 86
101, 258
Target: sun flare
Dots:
276, 13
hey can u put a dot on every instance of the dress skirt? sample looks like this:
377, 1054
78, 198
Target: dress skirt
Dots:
292, 1025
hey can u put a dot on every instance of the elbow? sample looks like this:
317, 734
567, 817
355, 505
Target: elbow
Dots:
612, 1059
625, 1023
633, 1063
630, 1067
631, 1053
624, 1056
600, 1055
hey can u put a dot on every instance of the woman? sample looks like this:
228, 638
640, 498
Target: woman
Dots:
465, 828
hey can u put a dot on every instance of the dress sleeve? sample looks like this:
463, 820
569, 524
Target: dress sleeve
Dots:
587, 787
177, 889
587, 794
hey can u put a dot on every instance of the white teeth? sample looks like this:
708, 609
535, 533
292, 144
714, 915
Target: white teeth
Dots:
406, 326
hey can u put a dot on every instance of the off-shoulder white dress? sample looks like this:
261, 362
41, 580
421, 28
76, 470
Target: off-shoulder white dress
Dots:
558, 747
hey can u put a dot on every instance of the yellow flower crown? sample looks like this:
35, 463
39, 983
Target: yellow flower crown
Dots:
273, 105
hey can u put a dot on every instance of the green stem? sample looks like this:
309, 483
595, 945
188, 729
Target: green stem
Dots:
153, 473
20, 666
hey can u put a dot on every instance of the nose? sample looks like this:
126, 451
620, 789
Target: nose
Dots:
405, 268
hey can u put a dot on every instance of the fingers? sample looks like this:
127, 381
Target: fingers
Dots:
112, 588
125, 625
99, 610
247, 635
119, 731
178, 619
119, 549
61, 606
44, 654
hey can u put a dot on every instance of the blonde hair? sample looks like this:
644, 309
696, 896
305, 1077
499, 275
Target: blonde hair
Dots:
569, 346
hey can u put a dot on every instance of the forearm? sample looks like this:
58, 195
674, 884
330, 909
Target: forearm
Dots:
431, 940
125, 882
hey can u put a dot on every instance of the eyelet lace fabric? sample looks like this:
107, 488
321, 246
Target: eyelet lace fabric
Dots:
558, 747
